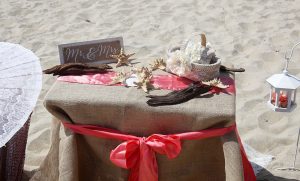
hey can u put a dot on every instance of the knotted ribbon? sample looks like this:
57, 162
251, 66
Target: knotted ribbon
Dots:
138, 153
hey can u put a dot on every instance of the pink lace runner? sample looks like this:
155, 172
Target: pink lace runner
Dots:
166, 82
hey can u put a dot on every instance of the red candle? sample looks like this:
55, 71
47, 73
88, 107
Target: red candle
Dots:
283, 99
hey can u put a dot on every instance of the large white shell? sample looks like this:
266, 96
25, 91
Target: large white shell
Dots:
130, 81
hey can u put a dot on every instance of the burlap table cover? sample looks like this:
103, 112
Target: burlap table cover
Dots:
77, 157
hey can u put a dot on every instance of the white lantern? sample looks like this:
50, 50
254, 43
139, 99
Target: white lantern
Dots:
283, 88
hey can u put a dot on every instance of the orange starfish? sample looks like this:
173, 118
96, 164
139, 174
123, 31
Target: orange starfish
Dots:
122, 58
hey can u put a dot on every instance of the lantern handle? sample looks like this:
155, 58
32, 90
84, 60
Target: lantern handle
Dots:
288, 58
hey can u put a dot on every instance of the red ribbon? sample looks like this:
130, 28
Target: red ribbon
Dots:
138, 153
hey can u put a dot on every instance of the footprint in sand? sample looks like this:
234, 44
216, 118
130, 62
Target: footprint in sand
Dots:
249, 8
272, 122
251, 104
294, 34
238, 47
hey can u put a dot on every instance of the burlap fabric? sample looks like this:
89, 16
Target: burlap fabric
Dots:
77, 157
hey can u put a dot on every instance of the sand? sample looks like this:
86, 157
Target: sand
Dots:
251, 34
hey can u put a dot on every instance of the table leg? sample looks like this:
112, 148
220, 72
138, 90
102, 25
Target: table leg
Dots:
234, 165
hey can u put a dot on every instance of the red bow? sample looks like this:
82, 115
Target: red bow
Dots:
138, 154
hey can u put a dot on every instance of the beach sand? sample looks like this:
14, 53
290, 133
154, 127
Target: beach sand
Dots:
251, 34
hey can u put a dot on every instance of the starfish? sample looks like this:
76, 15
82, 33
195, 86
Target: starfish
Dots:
158, 64
144, 76
216, 83
145, 85
119, 78
122, 58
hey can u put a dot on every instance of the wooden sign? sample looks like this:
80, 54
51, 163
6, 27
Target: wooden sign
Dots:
90, 52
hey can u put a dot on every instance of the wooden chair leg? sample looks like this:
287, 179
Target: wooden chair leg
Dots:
3, 152
12, 155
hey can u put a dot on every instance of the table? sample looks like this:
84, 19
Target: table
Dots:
77, 157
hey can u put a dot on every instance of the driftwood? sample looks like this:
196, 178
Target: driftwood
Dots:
226, 69
177, 97
77, 69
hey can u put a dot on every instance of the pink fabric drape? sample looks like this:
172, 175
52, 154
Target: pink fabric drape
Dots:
138, 153
166, 82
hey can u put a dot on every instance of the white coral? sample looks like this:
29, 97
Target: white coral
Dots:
198, 53
178, 63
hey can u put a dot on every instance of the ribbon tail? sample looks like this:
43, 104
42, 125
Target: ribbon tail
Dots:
146, 169
134, 174
248, 170
137, 156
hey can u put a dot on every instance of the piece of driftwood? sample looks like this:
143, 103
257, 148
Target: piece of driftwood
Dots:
203, 40
77, 69
226, 69
177, 97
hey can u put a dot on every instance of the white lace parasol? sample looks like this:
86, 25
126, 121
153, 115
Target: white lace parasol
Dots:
20, 85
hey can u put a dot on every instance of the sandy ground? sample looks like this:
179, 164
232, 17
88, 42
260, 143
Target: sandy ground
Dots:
251, 34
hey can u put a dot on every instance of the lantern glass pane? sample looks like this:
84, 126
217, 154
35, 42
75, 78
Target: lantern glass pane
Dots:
293, 96
272, 95
283, 92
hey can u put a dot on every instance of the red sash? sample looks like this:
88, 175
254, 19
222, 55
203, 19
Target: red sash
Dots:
138, 153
